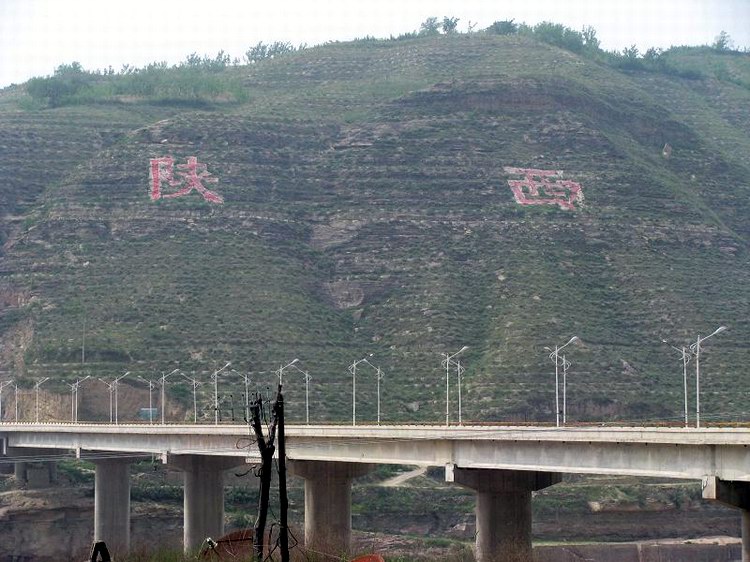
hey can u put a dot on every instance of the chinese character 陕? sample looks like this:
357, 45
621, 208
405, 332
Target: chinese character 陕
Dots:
191, 176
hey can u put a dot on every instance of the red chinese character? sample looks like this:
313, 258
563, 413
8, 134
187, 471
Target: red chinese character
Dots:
192, 177
542, 187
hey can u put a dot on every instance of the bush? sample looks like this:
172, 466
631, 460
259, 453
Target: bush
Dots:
505, 27
559, 35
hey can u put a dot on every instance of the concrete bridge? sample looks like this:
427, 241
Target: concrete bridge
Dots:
502, 464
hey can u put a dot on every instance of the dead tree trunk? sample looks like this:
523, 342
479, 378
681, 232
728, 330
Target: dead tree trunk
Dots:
266, 448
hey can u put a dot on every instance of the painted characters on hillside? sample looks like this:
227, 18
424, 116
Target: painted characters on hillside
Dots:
191, 177
544, 187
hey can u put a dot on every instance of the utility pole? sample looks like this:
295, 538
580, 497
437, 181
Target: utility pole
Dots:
283, 498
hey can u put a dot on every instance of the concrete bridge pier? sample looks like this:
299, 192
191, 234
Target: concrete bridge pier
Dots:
328, 503
203, 496
112, 504
503, 510
733, 494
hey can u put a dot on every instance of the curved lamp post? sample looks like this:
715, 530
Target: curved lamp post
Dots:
73, 398
196, 383
163, 383
448, 361
2, 386
685, 355
308, 378
36, 391
151, 385
696, 349
554, 355
215, 377
353, 371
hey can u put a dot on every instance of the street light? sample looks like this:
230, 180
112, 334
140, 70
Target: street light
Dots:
2, 386
565, 365
554, 355
74, 398
111, 387
460, 370
448, 361
151, 385
116, 383
196, 384
696, 349
685, 354
308, 378
215, 378
36, 389
246, 378
280, 371
163, 392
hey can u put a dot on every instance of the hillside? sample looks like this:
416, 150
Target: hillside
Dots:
366, 209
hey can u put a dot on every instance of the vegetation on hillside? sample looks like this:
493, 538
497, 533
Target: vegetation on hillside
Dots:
199, 81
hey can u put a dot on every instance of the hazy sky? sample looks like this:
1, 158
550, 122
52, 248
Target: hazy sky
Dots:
38, 35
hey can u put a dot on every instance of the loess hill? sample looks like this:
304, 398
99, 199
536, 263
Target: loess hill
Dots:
367, 210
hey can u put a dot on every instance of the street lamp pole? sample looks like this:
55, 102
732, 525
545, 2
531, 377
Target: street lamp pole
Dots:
196, 384
696, 349
36, 390
281, 370
448, 361
685, 355
2, 386
459, 371
215, 378
308, 378
151, 385
353, 371
111, 388
565, 365
164, 393
554, 355
73, 398
246, 379
116, 383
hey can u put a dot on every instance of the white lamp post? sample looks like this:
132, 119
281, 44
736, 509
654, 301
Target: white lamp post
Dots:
308, 378
196, 383
215, 377
116, 383
111, 388
554, 355
280, 370
2, 386
685, 354
459, 374
163, 379
246, 380
696, 349
448, 361
565, 365
151, 385
353, 371
36, 390
74, 398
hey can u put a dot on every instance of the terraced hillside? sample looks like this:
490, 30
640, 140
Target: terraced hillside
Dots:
366, 209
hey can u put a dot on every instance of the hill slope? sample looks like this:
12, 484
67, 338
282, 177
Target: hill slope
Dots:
367, 210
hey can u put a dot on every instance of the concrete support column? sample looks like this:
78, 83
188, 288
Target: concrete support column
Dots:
203, 496
328, 503
112, 504
733, 494
19, 471
503, 510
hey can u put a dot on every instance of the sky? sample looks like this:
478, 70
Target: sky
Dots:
36, 36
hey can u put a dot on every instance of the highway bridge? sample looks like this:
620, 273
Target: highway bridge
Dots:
502, 464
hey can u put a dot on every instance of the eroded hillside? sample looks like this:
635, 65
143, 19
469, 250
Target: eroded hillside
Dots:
367, 209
